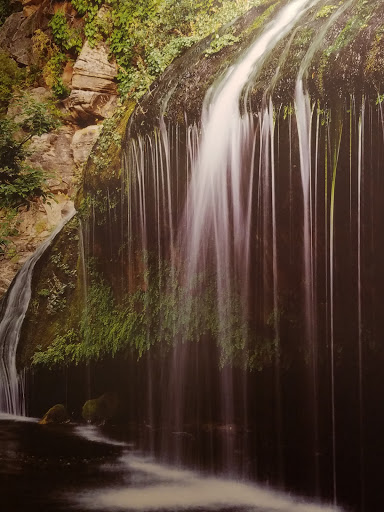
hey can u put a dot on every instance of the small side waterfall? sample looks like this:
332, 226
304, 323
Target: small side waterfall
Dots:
12, 396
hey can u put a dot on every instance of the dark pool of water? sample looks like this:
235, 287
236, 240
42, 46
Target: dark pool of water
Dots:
76, 468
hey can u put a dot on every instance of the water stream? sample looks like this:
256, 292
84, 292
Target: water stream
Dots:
12, 393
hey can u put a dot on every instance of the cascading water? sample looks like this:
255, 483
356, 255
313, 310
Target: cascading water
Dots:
304, 117
12, 397
215, 229
248, 241
247, 209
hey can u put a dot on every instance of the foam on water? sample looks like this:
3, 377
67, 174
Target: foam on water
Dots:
14, 417
92, 433
177, 489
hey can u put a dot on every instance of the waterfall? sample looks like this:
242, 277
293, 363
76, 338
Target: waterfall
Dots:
12, 393
194, 214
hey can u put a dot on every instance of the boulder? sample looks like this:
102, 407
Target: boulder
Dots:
56, 415
102, 409
83, 142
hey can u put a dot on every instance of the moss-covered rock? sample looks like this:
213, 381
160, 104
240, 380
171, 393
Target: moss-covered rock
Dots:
102, 409
56, 415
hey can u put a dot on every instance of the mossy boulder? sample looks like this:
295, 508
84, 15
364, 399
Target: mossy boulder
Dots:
102, 409
56, 414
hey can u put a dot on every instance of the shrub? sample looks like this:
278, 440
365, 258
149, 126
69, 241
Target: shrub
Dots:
20, 182
10, 77
51, 60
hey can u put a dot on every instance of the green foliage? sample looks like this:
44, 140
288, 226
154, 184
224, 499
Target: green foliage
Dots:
10, 77
52, 61
17, 189
161, 312
59, 352
20, 182
87, 6
145, 36
221, 42
44, 292
96, 27
65, 37
8, 228
38, 116
326, 11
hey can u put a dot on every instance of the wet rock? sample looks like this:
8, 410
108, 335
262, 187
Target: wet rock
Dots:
83, 142
102, 409
31, 226
56, 415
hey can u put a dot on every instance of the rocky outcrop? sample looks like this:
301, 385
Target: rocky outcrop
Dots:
94, 92
52, 152
16, 34
93, 71
83, 142
87, 106
15, 109
31, 227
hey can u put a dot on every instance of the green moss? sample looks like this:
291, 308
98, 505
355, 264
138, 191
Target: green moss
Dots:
57, 295
261, 20
326, 11
56, 414
102, 409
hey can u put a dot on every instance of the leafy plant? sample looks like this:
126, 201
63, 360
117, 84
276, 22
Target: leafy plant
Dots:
326, 11
161, 312
48, 56
20, 182
65, 37
8, 228
221, 42
18, 189
10, 77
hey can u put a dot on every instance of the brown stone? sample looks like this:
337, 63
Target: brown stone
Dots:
89, 106
52, 152
67, 74
93, 71
16, 34
83, 142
